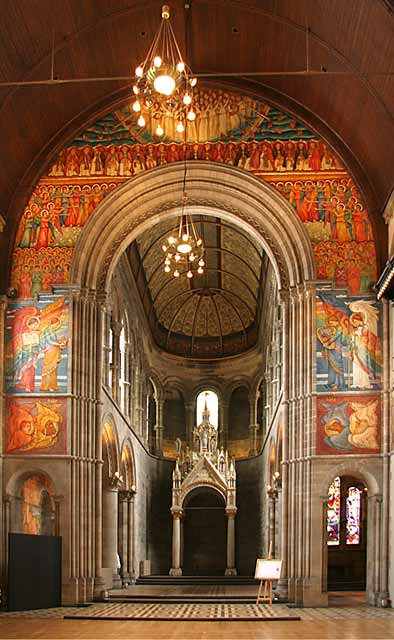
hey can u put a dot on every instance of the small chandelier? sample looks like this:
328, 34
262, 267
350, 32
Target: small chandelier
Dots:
164, 82
186, 249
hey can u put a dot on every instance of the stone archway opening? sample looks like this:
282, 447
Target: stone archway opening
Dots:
204, 533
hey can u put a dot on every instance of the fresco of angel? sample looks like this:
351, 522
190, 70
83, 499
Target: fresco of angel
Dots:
348, 425
37, 347
34, 425
349, 354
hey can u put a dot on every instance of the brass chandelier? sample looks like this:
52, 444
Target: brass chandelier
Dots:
184, 251
164, 83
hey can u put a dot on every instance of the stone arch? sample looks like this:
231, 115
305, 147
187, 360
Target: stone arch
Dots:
350, 468
155, 195
127, 466
31, 516
110, 445
201, 487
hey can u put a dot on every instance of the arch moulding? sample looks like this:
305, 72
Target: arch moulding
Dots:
155, 195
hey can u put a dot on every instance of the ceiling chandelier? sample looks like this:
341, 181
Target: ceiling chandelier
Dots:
184, 251
164, 82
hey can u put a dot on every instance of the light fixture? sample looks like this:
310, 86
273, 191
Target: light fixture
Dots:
184, 252
164, 82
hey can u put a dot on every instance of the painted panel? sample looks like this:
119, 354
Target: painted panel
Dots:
36, 425
348, 424
36, 353
38, 506
348, 343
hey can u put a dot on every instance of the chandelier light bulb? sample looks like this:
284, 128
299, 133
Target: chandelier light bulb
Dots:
185, 237
180, 67
159, 130
189, 274
187, 99
201, 263
136, 90
136, 106
191, 115
192, 257
193, 82
177, 257
200, 270
164, 84
199, 242
171, 240
164, 247
167, 268
184, 248
176, 273
139, 71
141, 121
157, 62
180, 128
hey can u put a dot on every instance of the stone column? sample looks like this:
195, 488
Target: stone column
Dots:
223, 425
106, 323
176, 569
131, 570
230, 569
253, 426
190, 416
123, 545
126, 408
159, 426
110, 529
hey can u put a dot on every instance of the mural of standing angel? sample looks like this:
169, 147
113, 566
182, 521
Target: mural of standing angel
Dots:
37, 346
364, 345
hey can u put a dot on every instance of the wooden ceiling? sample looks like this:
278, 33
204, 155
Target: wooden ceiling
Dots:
353, 110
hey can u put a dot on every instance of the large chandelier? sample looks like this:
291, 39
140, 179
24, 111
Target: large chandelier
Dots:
164, 82
184, 251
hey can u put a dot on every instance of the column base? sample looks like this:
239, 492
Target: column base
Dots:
231, 572
100, 589
175, 572
282, 590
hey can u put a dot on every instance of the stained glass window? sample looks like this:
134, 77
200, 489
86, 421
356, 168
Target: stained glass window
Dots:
353, 508
333, 512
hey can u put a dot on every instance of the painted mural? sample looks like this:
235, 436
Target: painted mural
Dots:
230, 129
234, 130
348, 424
348, 343
36, 352
36, 425
38, 506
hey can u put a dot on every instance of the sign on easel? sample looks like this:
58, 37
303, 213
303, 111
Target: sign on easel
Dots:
266, 571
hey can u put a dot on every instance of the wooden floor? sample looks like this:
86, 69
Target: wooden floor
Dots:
70, 629
338, 621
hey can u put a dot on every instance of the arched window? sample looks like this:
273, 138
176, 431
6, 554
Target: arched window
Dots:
212, 402
343, 513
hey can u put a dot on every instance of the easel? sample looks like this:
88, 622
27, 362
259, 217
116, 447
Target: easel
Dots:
265, 589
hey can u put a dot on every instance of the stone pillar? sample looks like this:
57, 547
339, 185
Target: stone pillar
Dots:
159, 426
223, 425
123, 537
253, 426
131, 570
110, 529
190, 416
126, 408
176, 569
106, 323
230, 569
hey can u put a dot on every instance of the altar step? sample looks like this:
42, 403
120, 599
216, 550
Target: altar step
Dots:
196, 580
179, 599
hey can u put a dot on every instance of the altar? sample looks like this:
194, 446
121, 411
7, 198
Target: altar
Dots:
203, 469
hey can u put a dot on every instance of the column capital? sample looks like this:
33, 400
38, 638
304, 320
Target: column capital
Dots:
176, 513
231, 512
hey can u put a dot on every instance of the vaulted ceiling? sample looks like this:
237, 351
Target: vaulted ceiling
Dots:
210, 315
349, 97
